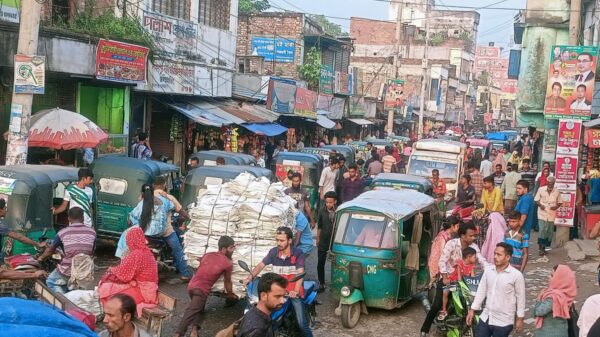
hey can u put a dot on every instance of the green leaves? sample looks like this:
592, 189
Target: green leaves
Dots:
253, 6
310, 71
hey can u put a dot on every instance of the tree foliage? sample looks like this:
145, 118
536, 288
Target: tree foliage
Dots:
329, 27
253, 6
310, 71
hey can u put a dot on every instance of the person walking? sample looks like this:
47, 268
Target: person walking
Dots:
552, 306
476, 181
325, 222
141, 149
79, 195
525, 206
301, 196
352, 186
494, 235
328, 178
518, 240
509, 188
498, 176
548, 201
388, 161
485, 168
375, 167
502, 287
528, 173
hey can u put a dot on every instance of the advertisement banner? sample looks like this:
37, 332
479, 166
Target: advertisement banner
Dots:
281, 170
29, 74
174, 37
326, 80
357, 106
306, 102
566, 212
281, 96
9, 10
394, 94
342, 83
592, 138
274, 49
570, 85
569, 136
566, 168
121, 62
172, 77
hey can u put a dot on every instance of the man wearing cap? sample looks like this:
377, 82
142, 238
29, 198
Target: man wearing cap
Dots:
548, 201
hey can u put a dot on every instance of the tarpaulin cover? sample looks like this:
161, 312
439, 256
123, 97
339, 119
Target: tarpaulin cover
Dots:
396, 204
28, 318
496, 136
266, 129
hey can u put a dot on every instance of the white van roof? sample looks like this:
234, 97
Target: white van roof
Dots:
441, 145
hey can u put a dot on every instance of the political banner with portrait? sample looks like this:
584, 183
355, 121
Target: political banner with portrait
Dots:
570, 87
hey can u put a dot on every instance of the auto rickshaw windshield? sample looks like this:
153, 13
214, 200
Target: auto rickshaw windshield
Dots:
366, 230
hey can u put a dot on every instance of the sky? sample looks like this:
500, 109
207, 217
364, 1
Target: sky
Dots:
494, 26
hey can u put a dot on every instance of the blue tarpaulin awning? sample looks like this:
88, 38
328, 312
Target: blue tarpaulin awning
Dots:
266, 129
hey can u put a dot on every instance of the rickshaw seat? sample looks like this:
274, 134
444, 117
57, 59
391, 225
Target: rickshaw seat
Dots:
309, 286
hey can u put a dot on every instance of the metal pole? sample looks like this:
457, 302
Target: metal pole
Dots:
399, 34
424, 77
29, 26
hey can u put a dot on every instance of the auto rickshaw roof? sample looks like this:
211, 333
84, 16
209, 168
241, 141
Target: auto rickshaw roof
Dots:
226, 171
36, 175
403, 178
396, 204
214, 154
345, 150
299, 156
120, 163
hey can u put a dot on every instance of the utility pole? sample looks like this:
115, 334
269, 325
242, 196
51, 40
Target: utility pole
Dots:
574, 22
29, 26
399, 35
424, 77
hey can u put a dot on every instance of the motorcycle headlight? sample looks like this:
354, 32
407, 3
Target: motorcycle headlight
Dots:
345, 291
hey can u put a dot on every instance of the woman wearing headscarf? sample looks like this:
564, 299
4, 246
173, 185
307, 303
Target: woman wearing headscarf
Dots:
551, 310
494, 235
515, 158
543, 179
136, 276
499, 160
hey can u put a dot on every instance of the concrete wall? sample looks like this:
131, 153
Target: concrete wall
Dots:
551, 13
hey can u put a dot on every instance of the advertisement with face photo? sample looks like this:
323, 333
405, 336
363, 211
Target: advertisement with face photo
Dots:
570, 85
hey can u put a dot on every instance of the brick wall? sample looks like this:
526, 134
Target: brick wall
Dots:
288, 25
100, 6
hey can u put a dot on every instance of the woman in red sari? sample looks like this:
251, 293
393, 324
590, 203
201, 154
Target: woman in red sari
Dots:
136, 276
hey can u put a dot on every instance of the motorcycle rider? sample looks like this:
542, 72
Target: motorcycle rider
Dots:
271, 296
287, 261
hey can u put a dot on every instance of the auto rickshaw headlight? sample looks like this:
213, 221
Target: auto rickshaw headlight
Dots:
345, 291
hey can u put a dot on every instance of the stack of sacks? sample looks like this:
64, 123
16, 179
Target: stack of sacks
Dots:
249, 210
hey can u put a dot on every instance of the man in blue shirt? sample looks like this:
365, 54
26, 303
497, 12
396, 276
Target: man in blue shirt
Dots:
525, 206
303, 237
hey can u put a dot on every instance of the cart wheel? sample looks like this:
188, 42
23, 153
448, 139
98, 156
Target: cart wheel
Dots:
350, 315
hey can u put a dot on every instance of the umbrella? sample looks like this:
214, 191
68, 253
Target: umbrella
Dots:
63, 129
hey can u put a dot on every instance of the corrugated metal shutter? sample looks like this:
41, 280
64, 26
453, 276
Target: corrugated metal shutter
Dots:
514, 64
338, 62
328, 58
345, 60
160, 131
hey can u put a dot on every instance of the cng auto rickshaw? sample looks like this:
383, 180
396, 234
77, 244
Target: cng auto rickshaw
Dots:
198, 178
320, 151
307, 164
209, 158
400, 181
345, 150
379, 250
119, 181
30, 192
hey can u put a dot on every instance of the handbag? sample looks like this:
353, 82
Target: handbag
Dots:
572, 322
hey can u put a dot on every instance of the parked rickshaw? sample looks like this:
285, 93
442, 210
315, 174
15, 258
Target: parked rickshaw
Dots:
481, 144
345, 150
378, 144
379, 250
209, 158
30, 192
198, 178
309, 165
319, 151
119, 180
402, 181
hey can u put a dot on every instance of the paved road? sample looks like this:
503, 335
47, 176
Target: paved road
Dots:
405, 321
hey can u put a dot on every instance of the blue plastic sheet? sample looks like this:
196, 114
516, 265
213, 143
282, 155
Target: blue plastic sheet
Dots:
496, 136
29, 318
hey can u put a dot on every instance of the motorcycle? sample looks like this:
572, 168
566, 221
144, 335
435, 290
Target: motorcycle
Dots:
284, 319
461, 297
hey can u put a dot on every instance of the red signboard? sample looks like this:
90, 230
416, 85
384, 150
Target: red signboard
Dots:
592, 138
282, 170
569, 135
306, 102
566, 212
121, 62
566, 168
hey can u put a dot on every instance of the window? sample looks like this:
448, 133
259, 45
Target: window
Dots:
214, 13
113, 186
176, 8
366, 230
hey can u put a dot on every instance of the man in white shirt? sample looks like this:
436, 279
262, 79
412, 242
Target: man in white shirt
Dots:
328, 177
581, 103
584, 66
502, 287
485, 168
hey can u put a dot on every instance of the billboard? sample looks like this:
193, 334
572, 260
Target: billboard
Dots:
121, 62
570, 85
274, 49
9, 10
394, 94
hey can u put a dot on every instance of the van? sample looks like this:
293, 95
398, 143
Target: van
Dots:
445, 155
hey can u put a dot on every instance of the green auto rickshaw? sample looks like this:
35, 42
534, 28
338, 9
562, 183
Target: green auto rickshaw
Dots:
119, 183
379, 250
400, 181
320, 151
209, 158
198, 178
30, 192
308, 164
348, 152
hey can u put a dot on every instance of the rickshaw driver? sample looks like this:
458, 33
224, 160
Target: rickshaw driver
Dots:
287, 261
370, 236
5, 231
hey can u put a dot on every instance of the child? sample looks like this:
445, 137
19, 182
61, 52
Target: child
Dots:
518, 239
464, 267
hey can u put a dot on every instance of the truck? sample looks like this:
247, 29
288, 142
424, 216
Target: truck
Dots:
445, 155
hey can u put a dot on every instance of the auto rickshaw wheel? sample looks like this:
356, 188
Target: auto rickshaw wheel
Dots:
350, 315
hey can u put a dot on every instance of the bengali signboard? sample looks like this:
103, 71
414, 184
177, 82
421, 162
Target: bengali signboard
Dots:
566, 212
305, 105
172, 77
342, 83
566, 168
174, 37
326, 79
394, 94
570, 85
121, 62
9, 10
569, 135
282, 170
274, 49
592, 138
30, 73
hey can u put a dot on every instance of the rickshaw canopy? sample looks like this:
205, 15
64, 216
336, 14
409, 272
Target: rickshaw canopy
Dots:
476, 142
345, 150
395, 204
394, 180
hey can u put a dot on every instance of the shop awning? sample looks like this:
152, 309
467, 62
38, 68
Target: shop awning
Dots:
360, 121
236, 113
325, 122
199, 114
592, 123
266, 129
